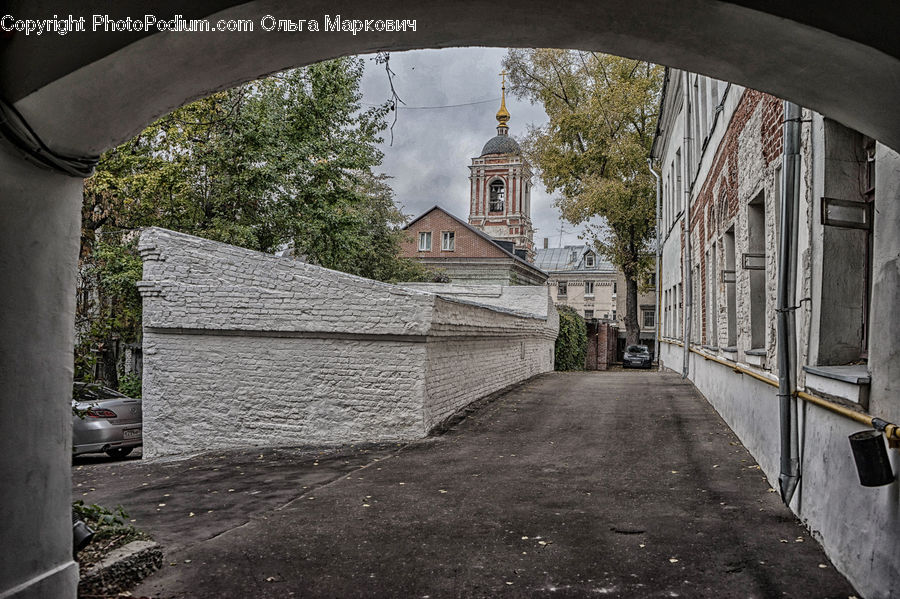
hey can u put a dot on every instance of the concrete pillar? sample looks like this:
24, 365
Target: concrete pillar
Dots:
884, 333
39, 235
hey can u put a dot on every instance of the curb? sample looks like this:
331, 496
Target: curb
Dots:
122, 569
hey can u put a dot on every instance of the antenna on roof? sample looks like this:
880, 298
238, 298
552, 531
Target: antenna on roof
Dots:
562, 229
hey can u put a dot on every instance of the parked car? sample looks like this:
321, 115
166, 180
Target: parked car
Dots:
105, 421
637, 356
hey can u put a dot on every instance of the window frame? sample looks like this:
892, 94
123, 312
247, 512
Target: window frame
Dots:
589, 285
424, 236
562, 288
448, 236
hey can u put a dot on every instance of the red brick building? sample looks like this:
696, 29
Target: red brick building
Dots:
466, 255
496, 246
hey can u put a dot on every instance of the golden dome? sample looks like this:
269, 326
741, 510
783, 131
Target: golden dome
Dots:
503, 113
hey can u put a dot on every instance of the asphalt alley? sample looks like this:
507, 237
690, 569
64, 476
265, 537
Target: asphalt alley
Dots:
617, 484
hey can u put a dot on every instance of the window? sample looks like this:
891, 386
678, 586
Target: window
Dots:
730, 296
448, 241
588, 288
614, 287
497, 193
649, 319
562, 288
588, 314
425, 241
589, 261
613, 314
754, 262
847, 266
712, 284
651, 280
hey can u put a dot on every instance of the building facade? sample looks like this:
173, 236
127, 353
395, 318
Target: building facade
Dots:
726, 162
578, 278
465, 255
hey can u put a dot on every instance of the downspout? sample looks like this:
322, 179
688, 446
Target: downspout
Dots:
688, 296
658, 259
785, 318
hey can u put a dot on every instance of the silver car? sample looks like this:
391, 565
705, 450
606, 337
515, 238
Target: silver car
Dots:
637, 356
104, 421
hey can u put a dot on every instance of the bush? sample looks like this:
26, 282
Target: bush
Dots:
571, 344
130, 385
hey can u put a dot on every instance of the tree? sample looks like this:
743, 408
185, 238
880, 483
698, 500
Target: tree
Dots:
283, 161
602, 113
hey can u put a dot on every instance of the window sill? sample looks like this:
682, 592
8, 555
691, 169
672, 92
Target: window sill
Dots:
845, 382
729, 353
756, 357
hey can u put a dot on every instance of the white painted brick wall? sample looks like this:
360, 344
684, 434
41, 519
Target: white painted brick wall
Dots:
243, 349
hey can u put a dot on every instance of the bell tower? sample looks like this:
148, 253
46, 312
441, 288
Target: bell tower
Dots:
500, 187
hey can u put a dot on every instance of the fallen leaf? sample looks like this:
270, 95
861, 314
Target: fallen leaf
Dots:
441, 491
673, 560
823, 566
191, 515
270, 579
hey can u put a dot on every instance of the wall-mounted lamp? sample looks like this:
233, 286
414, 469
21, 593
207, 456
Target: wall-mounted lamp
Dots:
872, 462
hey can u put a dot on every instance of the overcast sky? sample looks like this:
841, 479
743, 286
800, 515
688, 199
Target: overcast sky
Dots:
433, 147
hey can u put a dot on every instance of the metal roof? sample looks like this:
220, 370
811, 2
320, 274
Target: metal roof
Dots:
501, 144
569, 258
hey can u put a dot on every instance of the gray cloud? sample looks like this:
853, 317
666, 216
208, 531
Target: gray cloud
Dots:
433, 148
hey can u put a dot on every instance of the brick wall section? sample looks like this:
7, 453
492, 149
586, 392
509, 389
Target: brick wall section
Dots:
468, 243
716, 207
244, 349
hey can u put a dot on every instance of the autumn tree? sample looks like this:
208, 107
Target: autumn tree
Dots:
602, 113
286, 161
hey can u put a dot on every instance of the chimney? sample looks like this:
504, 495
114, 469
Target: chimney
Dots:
546, 241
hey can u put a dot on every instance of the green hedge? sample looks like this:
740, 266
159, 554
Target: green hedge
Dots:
571, 344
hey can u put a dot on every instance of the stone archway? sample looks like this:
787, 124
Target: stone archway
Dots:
83, 93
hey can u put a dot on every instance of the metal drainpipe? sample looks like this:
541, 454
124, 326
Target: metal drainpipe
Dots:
688, 296
785, 323
658, 258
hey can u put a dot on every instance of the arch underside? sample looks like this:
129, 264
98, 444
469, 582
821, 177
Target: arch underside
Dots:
84, 93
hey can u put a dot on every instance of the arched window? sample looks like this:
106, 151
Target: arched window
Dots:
498, 191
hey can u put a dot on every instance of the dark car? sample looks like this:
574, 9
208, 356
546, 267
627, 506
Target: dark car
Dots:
637, 356
105, 421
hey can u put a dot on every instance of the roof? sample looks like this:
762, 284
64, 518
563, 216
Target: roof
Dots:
501, 144
477, 232
569, 258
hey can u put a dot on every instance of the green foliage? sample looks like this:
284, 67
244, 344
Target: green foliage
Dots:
602, 113
130, 385
283, 161
111, 530
571, 343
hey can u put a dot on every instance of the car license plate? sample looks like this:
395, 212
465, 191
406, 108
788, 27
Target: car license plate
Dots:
131, 433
